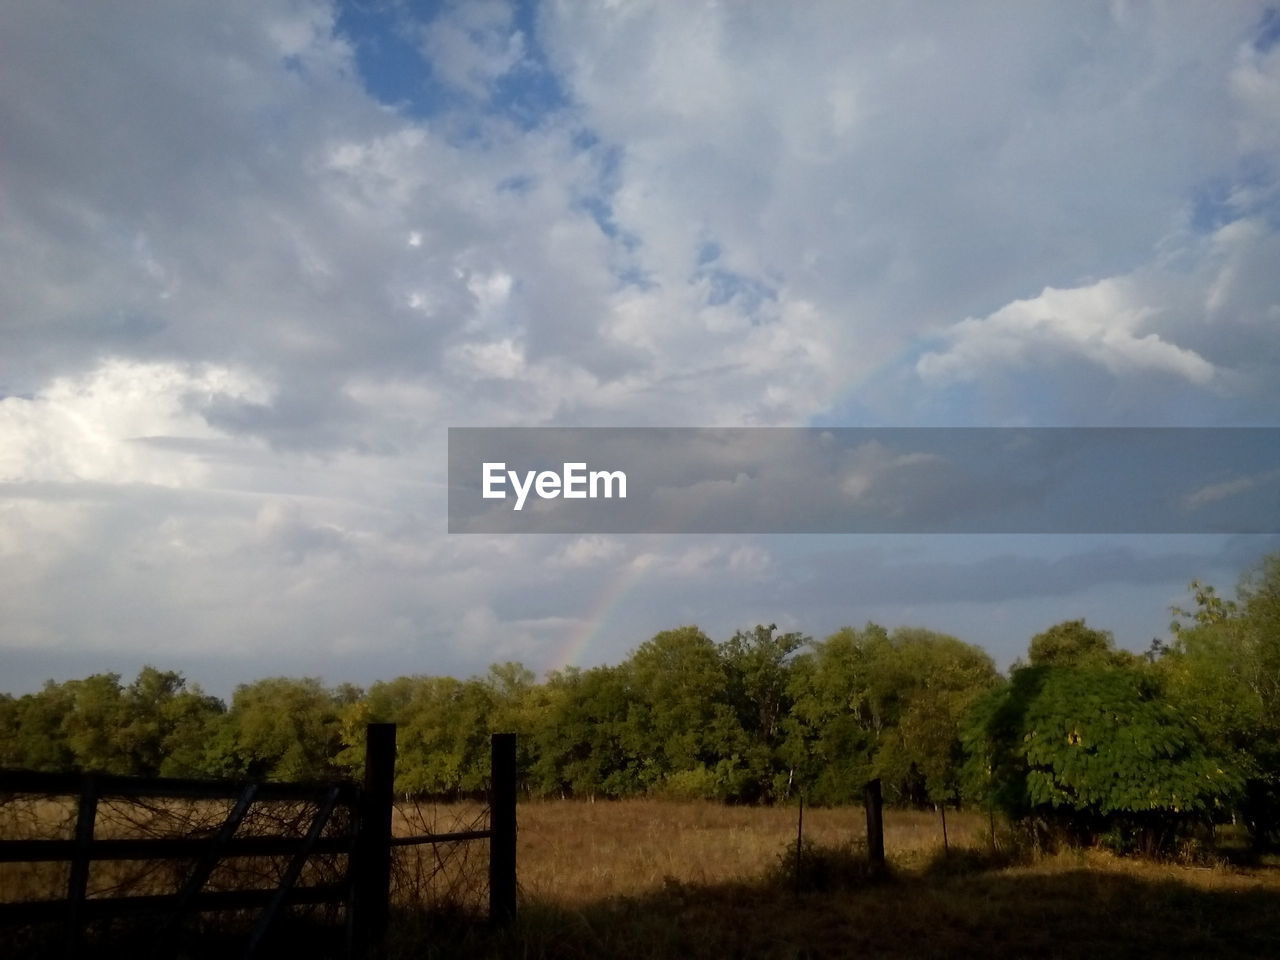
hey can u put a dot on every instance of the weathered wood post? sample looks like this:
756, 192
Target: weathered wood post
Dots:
875, 827
78, 878
371, 858
502, 826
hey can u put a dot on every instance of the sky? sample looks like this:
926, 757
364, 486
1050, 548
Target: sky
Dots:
257, 256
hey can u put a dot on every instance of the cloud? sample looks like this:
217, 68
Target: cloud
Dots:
473, 44
589, 551
881, 168
247, 277
1194, 322
1226, 489
1102, 323
118, 424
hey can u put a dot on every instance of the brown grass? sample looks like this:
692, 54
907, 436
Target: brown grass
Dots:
659, 879
653, 879
576, 853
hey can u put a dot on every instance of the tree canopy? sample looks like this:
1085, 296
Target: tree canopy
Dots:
1081, 734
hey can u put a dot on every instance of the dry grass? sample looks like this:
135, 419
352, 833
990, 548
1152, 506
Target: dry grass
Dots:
658, 879
575, 853
652, 879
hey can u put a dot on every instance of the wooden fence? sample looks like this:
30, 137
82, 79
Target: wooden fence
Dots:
363, 838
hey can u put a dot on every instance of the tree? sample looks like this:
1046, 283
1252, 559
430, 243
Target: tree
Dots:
443, 735
585, 745
758, 672
39, 740
92, 724
1085, 749
839, 713
281, 729
935, 679
166, 726
1223, 670
1073, 644
680, 719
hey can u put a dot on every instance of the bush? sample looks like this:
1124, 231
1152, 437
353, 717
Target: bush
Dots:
823, 868
1083, 752
696, 784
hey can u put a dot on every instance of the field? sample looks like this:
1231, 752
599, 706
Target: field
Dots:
654, 879
668, 880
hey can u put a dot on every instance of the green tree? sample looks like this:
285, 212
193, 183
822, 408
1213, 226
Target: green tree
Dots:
1086, 749
1074, 644
757, 667
92, 722
444, 736
1223, 670
164, 726
680, 718
931, 679
280, 728
35, 738
838, 713
585, 745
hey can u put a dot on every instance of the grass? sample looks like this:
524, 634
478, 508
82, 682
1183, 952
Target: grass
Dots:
657, 879
651, 879
575, 853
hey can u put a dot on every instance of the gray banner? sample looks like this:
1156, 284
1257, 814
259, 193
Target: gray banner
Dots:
864, 480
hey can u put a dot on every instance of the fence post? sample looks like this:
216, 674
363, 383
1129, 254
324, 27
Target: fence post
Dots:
78, 878
875, 826
371, 858
502, 827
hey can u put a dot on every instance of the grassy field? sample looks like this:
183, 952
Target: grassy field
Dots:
576, 853
649, 879
686, 881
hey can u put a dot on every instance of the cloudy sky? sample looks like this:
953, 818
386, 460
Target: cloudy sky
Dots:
257, 255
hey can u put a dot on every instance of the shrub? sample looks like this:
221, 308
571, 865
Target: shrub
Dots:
1087, 750
823, 868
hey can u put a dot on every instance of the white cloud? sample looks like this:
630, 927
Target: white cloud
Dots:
103, 427
473, 44
881, 167
240, 298
1103, 322
1255, 84
1199, 313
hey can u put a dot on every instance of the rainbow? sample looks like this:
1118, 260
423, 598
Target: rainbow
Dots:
596, 616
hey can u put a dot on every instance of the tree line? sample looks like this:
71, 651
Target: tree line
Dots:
1079, 734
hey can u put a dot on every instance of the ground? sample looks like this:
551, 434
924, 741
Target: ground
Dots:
656, 880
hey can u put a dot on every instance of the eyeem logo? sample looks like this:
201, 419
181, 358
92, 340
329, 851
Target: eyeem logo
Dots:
575, 482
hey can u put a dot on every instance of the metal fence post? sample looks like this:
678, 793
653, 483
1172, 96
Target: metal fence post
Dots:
502, 824
371, 858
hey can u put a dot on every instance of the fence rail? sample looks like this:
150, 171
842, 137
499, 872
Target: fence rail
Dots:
364, 838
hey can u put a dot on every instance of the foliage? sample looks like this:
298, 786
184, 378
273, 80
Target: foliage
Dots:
1223, 671
155, 725
1088, 737
1082, 747
870, 703
280, 728
1074, 644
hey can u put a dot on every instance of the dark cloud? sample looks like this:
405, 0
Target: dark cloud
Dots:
244, 288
